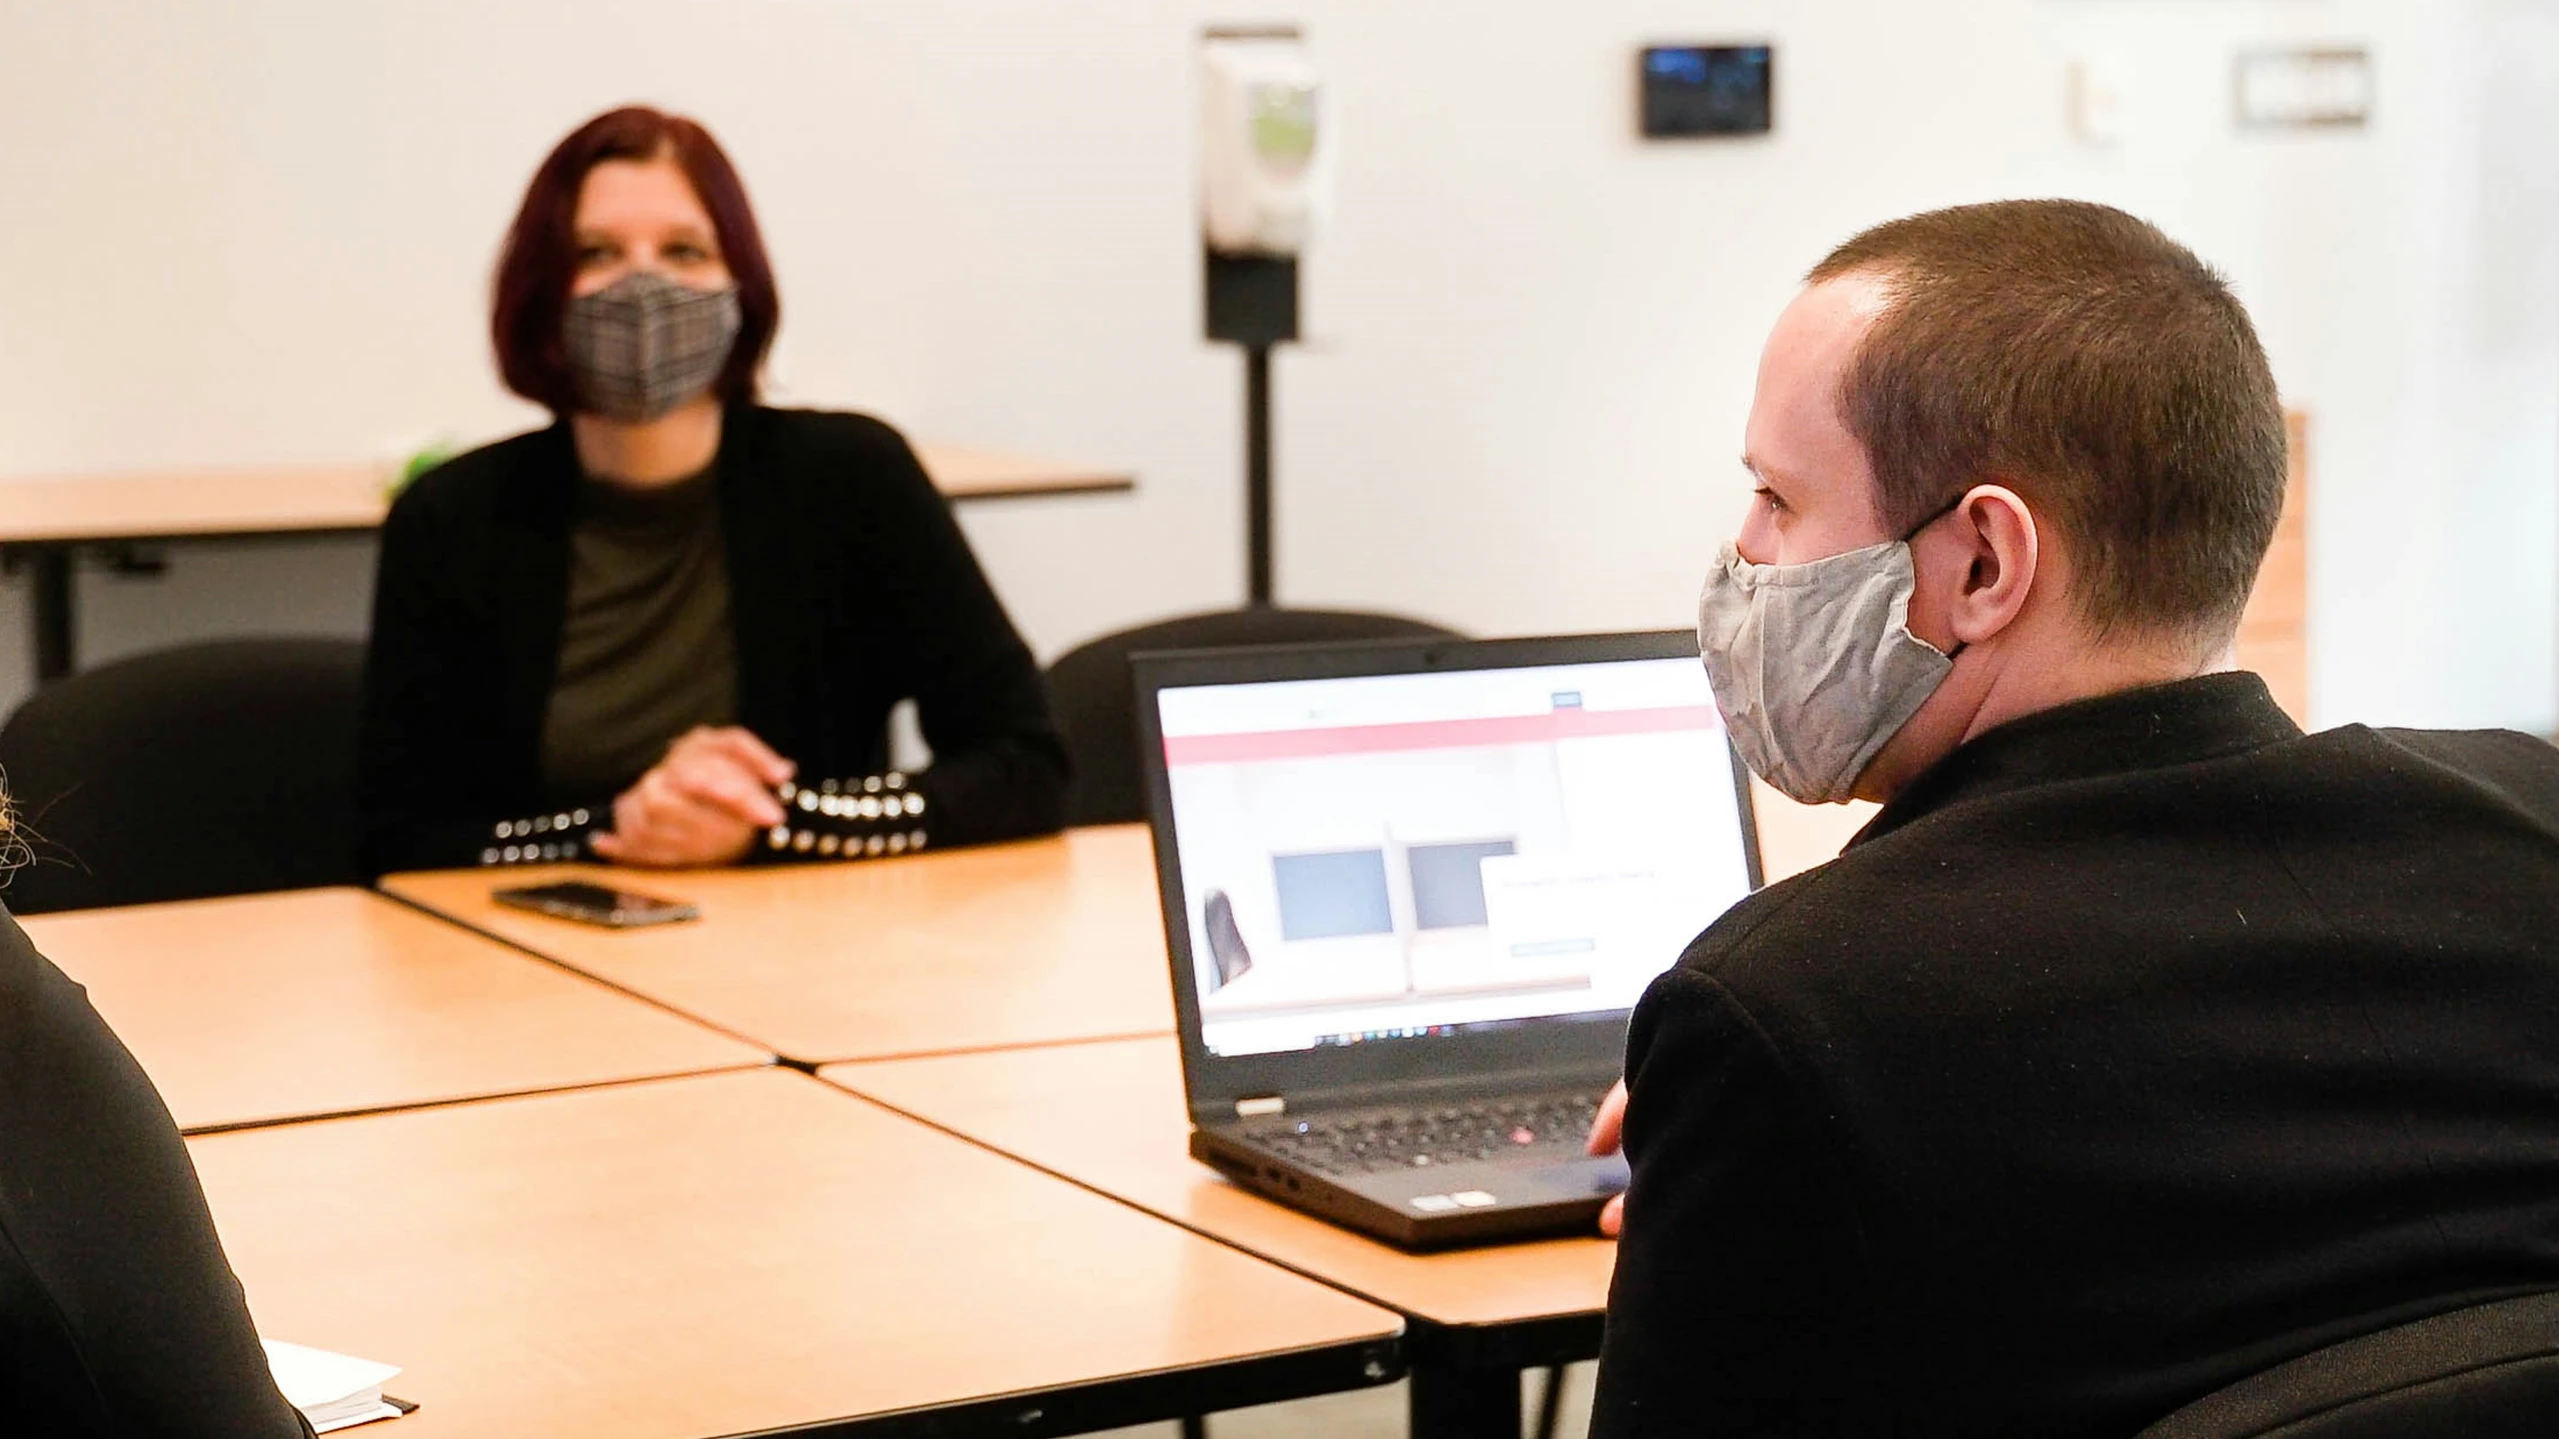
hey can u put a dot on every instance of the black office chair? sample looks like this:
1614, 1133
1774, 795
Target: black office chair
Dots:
209, 769
2487, 1372
1096, 707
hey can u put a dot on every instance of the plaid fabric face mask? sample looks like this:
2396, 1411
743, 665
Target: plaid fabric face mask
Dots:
644, 344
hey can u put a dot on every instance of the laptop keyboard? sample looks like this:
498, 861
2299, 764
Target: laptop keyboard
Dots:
1368, 1141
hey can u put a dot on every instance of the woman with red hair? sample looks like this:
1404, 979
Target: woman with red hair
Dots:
669, 628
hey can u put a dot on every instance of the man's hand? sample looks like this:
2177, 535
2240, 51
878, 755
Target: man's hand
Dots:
703, 804
1607, 1128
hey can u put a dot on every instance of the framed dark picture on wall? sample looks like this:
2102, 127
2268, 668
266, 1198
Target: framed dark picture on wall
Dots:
1700, 91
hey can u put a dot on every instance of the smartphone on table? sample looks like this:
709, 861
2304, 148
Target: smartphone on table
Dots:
597, 904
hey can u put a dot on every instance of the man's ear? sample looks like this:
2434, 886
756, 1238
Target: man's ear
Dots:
2001, 546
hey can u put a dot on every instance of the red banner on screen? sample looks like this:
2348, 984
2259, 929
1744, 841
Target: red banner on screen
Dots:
1435, 734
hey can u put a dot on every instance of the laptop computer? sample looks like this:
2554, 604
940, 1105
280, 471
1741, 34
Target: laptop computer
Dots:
1412, 890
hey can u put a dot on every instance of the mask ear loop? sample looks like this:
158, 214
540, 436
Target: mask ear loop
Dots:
1939, 513
1912, 533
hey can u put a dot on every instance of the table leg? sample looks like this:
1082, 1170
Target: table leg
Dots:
49, 610
1451, 1403
1550, 1404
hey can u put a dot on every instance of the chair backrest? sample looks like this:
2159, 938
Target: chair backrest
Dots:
2487, 1372
209, 769
1097, 702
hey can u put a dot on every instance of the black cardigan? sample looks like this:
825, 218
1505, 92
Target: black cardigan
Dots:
119, 1317
2138, 1046
851, 588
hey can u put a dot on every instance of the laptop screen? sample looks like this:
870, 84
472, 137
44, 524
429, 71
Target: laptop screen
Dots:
1400, 855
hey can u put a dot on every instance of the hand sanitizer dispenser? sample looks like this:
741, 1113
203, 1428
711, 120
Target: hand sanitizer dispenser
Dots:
1261, 142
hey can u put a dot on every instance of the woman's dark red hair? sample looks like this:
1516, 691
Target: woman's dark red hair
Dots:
540, 258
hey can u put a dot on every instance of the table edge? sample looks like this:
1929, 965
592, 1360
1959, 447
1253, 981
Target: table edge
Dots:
1145, 1397
452, 1101
1470, 1337
1100, 482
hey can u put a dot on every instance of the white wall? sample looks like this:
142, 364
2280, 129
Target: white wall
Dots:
260, 232
2406, 280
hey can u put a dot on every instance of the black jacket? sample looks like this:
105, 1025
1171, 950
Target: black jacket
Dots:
851, 588
2138, 1046
119, 1317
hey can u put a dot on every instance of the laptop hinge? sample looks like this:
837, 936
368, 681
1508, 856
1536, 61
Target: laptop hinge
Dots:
1515, 1081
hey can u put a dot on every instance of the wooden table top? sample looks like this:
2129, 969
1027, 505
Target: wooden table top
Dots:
1111, 1116
331, 1001
1038, 942
304, 499
721, 1255
965, 472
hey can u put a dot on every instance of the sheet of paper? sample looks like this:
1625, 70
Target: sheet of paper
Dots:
332, 1390
378, 1411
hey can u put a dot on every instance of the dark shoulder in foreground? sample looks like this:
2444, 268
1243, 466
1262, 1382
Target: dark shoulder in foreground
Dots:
2384, 787
1732, 932
2512, 765
118, 1313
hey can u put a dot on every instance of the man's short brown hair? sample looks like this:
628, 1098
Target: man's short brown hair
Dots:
2077, 355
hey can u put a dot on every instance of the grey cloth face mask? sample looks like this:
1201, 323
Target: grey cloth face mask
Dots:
1814, 665
644, 344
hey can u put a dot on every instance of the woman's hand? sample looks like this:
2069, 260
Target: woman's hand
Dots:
1607, 1128
704, 804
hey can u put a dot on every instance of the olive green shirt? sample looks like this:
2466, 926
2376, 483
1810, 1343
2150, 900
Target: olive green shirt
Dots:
647, 650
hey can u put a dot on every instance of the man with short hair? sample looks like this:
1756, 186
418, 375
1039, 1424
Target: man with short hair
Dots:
2141, 1042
